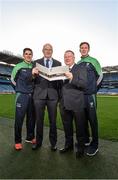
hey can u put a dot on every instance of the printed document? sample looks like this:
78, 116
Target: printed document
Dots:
54, 73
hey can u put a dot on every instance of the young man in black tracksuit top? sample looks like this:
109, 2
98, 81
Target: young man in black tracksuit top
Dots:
94, 79
22, 80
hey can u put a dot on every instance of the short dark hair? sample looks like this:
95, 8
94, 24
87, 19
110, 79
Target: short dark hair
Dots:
84, 43
27, 49
70, 51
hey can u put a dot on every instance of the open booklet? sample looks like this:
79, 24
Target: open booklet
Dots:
54, 73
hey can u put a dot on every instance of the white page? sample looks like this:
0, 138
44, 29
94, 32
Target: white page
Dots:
54, 73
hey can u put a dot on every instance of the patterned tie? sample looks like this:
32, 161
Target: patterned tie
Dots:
47, 63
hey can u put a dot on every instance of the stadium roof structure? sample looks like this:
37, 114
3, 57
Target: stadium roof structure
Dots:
109, 69
9, 58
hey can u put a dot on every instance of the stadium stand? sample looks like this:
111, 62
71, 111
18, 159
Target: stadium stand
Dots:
5, 69
110, 81
8, 60
6, 89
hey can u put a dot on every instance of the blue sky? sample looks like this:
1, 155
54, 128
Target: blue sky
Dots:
64, 24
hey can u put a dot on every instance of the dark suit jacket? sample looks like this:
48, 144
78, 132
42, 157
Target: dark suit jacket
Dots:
72, 94
43, 87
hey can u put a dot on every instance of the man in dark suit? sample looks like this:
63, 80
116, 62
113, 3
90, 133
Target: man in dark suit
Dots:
46, 94
72, 104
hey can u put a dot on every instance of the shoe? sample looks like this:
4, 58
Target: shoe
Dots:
53, 148
18, 146
36, 146
87, 143
91, 151
66, 149
33, 141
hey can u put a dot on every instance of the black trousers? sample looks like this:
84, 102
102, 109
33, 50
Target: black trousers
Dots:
24, 106
79, 118
91, 117
40, 107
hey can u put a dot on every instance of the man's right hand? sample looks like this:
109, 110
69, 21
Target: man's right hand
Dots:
35, 71
69, 75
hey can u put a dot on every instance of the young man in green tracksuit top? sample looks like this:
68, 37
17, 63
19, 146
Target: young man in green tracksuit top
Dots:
22, 81
94, 79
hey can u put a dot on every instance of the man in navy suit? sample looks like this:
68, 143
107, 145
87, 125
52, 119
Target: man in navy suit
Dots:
46, 94
72, 104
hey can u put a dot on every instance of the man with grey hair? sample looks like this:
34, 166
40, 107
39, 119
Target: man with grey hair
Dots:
46, 94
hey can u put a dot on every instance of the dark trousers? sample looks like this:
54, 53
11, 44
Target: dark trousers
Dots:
91, 117
40, 106
24, 106
67, 119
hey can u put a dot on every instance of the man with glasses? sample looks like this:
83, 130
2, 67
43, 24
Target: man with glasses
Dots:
46, 94
22, 80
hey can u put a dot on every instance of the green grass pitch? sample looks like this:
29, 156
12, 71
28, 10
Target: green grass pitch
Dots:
107, 110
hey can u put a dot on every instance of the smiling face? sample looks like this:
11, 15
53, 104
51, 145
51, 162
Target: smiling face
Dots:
28, 56
84, 50
69, 58
47, 50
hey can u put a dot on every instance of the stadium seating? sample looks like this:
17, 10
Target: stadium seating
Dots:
109, 84
4, 69
5, 82
111, 76
6, 88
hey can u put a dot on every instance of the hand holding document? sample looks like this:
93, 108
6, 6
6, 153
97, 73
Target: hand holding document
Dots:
69, 75
54, 73
35, 71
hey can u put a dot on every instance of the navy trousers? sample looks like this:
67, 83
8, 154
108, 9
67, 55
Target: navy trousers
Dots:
91, 117
24, 106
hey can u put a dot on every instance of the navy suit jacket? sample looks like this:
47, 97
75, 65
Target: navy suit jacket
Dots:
44, 88
72, 93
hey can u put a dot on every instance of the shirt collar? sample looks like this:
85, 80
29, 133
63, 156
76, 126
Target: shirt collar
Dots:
71, 66
47, 58
82, 57
50, 62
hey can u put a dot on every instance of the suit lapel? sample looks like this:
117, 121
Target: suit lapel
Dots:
53, 63
73, 68
42, 62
